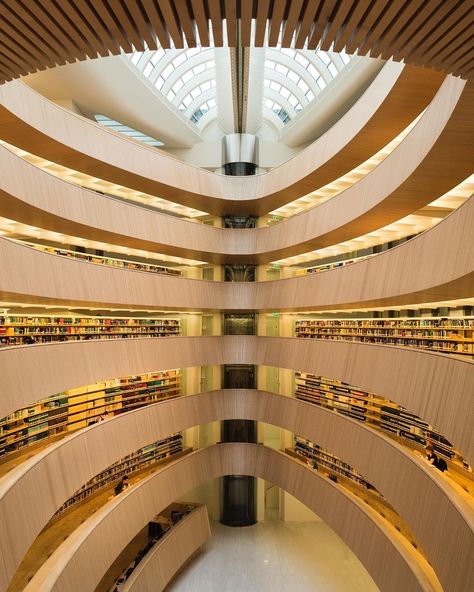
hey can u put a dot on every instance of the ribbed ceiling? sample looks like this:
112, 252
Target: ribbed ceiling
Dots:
37, 34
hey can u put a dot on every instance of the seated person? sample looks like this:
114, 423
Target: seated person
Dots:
121, 485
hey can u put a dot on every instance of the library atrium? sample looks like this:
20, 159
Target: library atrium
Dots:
236, 295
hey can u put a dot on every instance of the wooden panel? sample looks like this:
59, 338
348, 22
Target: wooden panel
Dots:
416, 379
385, 109
357, 25
77, 566
170, 553
430, 493
433, 267
431, 160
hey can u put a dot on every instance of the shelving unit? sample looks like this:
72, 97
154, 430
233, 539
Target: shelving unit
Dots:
132, 463
376, 411
447, 335
100, 260
20, 329
327, 461
80, 407
328, 266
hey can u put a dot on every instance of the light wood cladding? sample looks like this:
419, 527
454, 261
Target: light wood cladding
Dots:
447, 541
77, 565
394, 99
435, 387
166, 558
43, 35
431, 160
433, 267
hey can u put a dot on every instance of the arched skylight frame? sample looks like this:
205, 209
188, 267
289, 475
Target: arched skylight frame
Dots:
298, 76
185, 77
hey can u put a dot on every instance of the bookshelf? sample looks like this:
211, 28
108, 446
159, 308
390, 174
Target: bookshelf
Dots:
440, 334
377, 412
101, 260
327, 461
77, 408
21, 329
328, 266
144, 457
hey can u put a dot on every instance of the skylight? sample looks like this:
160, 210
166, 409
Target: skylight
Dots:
116, 126
294, 78
291, 79
184, 76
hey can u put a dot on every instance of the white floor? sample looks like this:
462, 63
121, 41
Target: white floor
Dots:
274, 556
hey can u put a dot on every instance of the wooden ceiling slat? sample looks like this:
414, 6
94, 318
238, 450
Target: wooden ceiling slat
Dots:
28, 38
90, 25
214, 7
14, 49
306, 23
171, 23
358, 10
157, 23
409, 29
452, 36
74, 49
106, 14
342, 10
426, 35
325, 11
186, 23
24, 61
261, 24
89, 45
456, 51
202, 23
246, 22
129, 26
43, 31
276, 19
10, 66
289, 28
393, 18
366, 25
230, 9
143, 24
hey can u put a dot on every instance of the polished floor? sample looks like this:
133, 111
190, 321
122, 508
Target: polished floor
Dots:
274, 556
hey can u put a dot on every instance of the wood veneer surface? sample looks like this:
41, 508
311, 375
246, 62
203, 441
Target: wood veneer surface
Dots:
391, 102
436, 387
431, 160
76, 566
448, 541
434, 34
433, 267
171, 553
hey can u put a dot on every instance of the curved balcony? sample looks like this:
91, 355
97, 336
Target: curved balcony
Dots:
435, 266
391, 102
416, 379
405, 181
364, 448
392, 565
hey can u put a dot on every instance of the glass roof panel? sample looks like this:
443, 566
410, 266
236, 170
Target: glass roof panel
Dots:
120, 128
292, 79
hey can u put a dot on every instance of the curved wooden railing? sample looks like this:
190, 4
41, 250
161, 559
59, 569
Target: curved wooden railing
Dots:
406, 180
435, 387
31, 122
170, 554
393, 565
435, 266
368, 451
